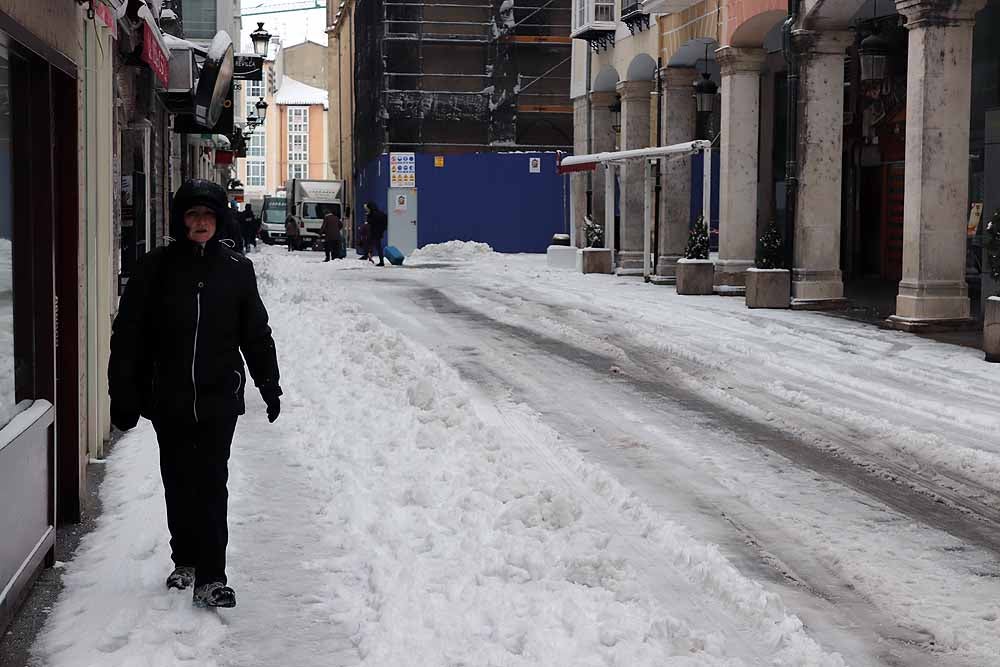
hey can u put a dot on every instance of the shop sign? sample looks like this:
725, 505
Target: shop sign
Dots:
223, 157
154, 55
247, 67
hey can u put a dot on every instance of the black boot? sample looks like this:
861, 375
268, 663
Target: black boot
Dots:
181, 578
214, 594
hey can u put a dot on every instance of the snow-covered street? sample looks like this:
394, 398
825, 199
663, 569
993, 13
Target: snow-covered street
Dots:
481, 461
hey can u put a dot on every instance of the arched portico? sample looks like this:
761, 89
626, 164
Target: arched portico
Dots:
749, 25
679, 124
603, 97
688, 40
634, 92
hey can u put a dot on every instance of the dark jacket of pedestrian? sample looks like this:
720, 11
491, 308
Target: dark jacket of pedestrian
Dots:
185, 318
378, 222
291, 227
249, 224
331, 228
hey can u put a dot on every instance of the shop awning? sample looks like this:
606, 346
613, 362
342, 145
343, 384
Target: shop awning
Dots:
154, 50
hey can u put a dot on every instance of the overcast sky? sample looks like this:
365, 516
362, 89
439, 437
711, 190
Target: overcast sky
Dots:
293, 27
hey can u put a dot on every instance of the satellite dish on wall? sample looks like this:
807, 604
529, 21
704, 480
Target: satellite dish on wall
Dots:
215, 81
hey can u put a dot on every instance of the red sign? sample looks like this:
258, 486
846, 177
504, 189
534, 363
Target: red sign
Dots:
154, 56
103, 12
223, 157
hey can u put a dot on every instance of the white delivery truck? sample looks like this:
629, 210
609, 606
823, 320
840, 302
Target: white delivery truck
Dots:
272, 217
309, 200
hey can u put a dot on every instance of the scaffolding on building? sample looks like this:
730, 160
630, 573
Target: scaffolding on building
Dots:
462, 75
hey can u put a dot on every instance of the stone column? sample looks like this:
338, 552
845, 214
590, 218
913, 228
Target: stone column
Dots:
938, 103
816, 278
603, 140
578, 180
635, 134
738, 169
679, 125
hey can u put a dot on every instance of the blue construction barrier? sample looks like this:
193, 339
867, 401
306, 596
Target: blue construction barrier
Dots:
492, 198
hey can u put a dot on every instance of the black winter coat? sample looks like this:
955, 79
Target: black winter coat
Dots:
378, 222
183, 320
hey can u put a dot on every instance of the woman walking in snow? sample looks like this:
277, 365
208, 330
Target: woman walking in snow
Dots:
292, 233
186, 316
378, 223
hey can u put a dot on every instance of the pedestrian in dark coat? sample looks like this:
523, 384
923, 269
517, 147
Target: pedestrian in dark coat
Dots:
330, 231
189, 316
248, 227
378, 222
292, 233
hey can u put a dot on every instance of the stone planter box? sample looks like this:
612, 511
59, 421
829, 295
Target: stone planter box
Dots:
768, 288
561, 257
695, 276
991, 329
594, 260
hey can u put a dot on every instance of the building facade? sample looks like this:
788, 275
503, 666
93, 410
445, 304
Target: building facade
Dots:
306, 62
433, 80
877, 177
292, 141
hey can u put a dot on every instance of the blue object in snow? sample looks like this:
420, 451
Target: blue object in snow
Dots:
393, 255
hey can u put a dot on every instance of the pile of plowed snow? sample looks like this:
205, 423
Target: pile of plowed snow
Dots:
452, 251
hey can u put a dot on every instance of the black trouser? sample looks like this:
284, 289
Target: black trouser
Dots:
332, 249
376, 247
194, 464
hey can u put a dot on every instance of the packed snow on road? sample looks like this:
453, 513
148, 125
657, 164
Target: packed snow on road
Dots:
481, 461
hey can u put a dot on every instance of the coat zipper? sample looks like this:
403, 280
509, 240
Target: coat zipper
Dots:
194, 356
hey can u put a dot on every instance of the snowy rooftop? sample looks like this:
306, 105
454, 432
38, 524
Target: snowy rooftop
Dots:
294, 92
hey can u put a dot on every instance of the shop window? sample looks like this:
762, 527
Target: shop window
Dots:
7, 398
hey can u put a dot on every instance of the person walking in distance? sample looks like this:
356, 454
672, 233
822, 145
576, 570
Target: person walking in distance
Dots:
189, 316
292, 233
377, 224
248, 226
330, 231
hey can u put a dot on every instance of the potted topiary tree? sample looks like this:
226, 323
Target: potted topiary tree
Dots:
695, 271
991, 316
769, 284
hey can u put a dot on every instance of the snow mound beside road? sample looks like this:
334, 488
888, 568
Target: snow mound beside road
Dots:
421, 526
452, 251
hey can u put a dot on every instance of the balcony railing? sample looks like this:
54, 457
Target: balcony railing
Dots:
634, 16
594, 21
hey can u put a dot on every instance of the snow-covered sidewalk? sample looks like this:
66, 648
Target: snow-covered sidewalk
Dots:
393, 516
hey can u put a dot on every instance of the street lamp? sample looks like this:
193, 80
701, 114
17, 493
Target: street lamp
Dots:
260, 38
252, 122
705, 89
261, 107
874, 55
616, 114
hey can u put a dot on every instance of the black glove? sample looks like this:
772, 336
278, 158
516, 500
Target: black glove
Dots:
123, 417
273, 408
270, 393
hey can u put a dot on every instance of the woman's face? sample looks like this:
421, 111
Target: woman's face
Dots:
200, 223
